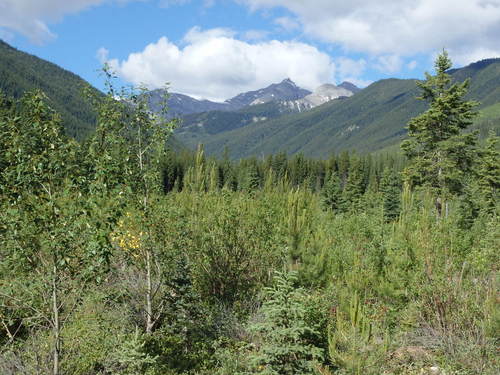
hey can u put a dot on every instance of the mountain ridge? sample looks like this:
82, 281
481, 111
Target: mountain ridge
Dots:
287, 91
370, 120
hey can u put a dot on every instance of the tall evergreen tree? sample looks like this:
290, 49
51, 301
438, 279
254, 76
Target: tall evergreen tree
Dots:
355, 185
489, 173
390, 187
440, 155
332, 193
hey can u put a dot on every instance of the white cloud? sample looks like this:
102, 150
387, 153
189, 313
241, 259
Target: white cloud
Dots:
467, 28
358, 81
462, 57
6, 35
351, 70
30, 18
213, 64
287, 23
347, 67
252, 35
389, 63
167, 3
102, 55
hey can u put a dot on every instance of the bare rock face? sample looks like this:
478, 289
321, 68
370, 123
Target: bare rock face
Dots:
285, 90
322, 95
325, 93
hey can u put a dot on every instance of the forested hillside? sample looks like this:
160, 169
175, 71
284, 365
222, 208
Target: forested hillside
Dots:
371, 120
20, 72
197, 128
120, 257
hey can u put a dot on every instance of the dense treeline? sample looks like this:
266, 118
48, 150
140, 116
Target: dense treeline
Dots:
296, 170
120, 257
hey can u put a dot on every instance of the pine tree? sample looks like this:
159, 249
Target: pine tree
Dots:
440, 155
132, 358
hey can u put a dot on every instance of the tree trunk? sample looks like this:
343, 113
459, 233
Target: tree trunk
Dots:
439, 207
55, 322
149, 297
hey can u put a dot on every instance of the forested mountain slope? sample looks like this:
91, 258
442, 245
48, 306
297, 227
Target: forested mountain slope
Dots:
372, 119
20, 72
197, 128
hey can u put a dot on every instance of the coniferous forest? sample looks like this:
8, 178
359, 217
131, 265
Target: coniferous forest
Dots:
121, 255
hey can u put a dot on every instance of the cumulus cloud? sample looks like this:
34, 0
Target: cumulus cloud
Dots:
214, 64
469, 29
351, 70
102, 55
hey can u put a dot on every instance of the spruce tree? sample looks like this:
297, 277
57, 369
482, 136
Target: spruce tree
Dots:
390, 187
489, 174
286, 339
355, 185
440, 155
332, 193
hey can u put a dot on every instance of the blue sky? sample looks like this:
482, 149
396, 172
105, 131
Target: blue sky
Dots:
217, 48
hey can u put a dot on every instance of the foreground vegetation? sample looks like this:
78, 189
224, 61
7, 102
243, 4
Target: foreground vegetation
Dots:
279, 266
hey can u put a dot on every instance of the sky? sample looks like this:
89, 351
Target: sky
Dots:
215, 49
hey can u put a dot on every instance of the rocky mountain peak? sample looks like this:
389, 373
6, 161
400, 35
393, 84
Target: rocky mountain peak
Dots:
323, 94
350, 86
288, 81
285, 90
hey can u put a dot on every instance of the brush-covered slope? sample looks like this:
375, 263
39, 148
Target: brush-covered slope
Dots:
20, 72
370, 120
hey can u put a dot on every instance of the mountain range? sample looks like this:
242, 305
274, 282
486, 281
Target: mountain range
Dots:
287, 92
280, 117
369, 120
